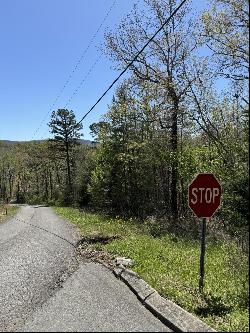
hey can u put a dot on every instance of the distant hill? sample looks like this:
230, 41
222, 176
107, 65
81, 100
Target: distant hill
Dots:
7, 143
87, 142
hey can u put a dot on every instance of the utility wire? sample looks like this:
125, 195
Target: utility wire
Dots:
78, 87
75, 68
131, 62
83, 80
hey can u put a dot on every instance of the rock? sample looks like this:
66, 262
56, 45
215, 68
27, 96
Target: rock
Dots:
121, 261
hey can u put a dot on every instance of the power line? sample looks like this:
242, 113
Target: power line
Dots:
130, 63
75, 67
83, 80
78, 87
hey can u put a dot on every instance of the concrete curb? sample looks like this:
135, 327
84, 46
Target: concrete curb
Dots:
168, 312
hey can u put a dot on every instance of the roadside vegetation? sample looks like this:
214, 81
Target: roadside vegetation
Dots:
170, 263
182, 109
11, 210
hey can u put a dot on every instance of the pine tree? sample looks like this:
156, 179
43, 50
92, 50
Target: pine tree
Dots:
66, 135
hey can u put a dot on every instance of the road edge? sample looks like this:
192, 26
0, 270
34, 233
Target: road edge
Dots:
168, 312
9, 216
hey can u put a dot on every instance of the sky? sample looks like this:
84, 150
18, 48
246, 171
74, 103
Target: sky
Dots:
41, 43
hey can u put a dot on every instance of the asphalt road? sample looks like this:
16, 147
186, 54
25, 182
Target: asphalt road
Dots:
45, 287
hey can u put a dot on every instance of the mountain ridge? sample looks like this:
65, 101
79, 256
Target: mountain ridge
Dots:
7, 143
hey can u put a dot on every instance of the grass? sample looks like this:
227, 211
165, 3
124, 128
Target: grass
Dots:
170, 264
11, 211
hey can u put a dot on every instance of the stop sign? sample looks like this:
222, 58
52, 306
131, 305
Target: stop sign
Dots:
204, 195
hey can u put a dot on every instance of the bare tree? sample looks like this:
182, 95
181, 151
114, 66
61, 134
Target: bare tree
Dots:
161, 63
225, 32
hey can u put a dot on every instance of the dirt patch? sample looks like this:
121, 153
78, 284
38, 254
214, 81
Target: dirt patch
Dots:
102, 257
86, 249
98, 238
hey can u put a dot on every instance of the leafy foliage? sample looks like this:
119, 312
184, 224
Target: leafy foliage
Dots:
170, 264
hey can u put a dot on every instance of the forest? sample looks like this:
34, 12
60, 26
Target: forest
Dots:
182, 110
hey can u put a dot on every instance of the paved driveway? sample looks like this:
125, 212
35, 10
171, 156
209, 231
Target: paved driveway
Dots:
43, 287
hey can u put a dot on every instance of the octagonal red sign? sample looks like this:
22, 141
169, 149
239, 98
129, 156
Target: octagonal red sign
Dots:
204, 195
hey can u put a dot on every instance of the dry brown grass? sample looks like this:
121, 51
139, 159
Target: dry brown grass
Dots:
6, 211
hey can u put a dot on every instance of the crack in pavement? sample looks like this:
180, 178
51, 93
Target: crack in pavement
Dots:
45, 286
50, 232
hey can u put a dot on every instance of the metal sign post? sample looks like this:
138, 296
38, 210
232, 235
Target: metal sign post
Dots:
202, 255
204, 198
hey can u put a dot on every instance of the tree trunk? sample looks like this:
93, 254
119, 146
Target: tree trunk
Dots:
18, 192
46, 185
68, 164
51, 185
37, 184
10, 185
174, 144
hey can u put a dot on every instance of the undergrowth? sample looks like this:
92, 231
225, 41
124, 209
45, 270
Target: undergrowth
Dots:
170, 264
